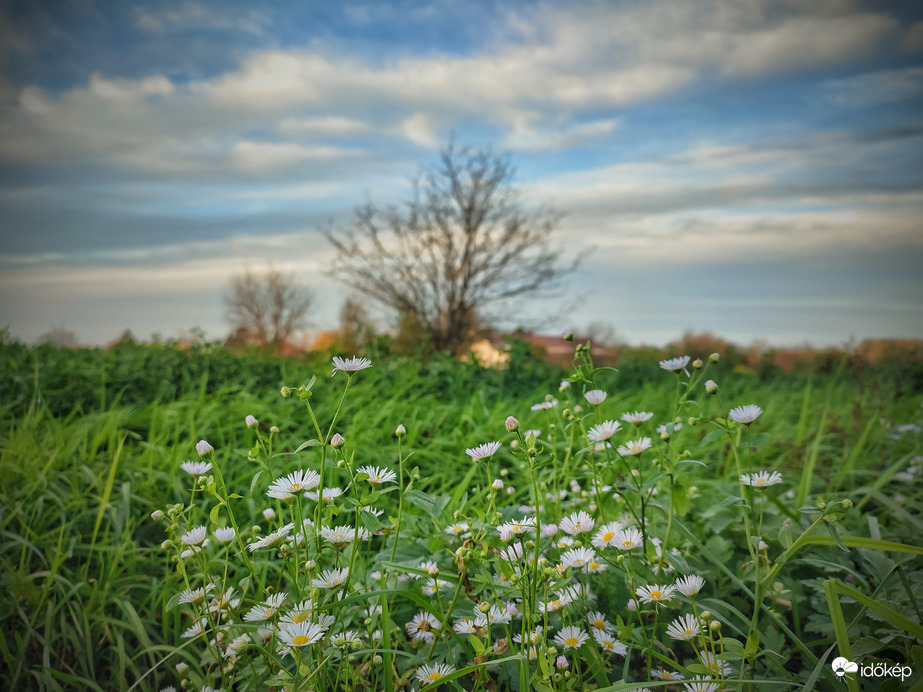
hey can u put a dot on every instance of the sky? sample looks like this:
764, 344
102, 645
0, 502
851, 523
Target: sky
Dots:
752, 168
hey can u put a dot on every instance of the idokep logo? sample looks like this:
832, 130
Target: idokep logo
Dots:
841, 666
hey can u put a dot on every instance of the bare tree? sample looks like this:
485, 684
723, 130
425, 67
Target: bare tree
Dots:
464, 244
267, 307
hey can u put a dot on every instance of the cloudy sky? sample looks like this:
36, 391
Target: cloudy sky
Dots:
749, 167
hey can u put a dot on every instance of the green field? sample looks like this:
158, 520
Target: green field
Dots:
97, 594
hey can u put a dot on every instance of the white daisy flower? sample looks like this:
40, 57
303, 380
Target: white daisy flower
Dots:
287, 487
197, 628
458, 529
465, 625
598, 621
745, 414
655, 593
267, 610
664, 674
701, 685
637, 417
340, 536
422, 626
516, 527
578, 557
225, 534
629, 538
595, 396
761, 479
331, 578
607, 642
433, 672
483, 451
195, 595
301, 633
494, 616
577, 523
350, 365
377, 476
684, 628
635, 447
194, 536
716, 666
605, 535
603, 431
674, 364
689, 585
272, 539
196, 468
329, 494
571, 637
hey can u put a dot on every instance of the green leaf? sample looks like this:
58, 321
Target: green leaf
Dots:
309, 443
213, 515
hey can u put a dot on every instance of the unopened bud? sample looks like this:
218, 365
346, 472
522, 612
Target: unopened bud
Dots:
337, 441
286, 391
251, 421
697, 363
497, 485
157, 514
714, 625
400, 431
711, 386
714, 357
511, 424
204, 449
269, 513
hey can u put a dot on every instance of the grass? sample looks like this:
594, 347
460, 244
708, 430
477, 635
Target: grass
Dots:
88, 584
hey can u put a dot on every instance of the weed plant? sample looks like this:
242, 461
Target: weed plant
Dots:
577, 543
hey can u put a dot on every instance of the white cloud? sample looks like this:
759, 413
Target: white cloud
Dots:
195, 15
875, 88
537, 81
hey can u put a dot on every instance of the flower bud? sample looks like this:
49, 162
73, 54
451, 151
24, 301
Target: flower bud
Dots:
310, 565
166, 545
269, 513
497, 485
286, 391
714, 625
274, 429
204, 449
157, 514
697, 363
181, 668
251, 421
337, 441
714, 357
511, 424
561, 662
711, 386
400, 431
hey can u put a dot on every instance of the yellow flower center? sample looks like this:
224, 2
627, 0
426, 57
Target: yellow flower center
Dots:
300, 640
608, 537
594, 565
435, 675
296, 487
656, 594
571, 641
688, 633
599, 624
301, 617
627, 544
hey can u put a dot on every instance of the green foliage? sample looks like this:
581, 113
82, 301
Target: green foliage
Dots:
91, 443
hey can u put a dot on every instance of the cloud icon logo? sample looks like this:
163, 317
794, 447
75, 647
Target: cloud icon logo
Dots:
841, 666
